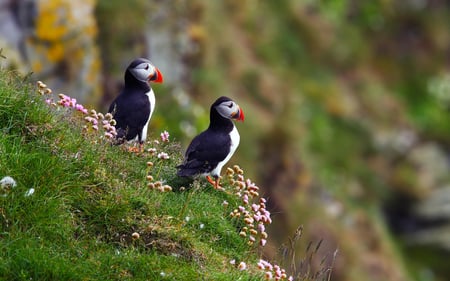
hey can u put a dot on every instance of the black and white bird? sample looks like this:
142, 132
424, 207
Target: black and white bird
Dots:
212, 149
134, 106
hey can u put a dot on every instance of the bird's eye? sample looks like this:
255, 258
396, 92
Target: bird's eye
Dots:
230, 105
146, 68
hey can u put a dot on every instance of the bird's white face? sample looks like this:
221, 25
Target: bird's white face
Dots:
230, 110
146, 72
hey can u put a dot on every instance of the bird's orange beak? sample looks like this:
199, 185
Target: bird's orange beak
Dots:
156, 77
238, 115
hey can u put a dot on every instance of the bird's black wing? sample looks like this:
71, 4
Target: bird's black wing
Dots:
130, 114
204, 153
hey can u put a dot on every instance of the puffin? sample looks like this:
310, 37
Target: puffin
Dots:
209, 151
134, 106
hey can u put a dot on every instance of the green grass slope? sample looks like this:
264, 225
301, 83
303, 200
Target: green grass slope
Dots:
93, 216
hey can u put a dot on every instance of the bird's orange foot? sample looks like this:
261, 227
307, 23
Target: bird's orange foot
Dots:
135, 149
215, 183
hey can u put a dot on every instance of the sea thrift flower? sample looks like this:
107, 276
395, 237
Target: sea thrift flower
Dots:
165, 136
253, 214
41, 85
135, 236
108, 135
8, 182
163, 155
273, 271
81, 108
108, 123
261, 227
242, 266
268, 275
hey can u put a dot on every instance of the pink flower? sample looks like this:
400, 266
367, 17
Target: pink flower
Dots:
261, 265
267, 265
81, 108
268, 275
163, 155
262, 242
242, 266
108, 135
261, 227
245, 199
165, 136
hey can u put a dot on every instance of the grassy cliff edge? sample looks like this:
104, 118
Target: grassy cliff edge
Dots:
81, 209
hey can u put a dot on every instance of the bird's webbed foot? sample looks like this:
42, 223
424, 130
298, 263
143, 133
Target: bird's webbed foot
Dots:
215, 182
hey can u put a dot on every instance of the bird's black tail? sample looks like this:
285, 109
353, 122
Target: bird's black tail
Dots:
184, 171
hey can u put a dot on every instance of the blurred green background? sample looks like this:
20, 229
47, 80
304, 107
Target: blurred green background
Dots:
347, 102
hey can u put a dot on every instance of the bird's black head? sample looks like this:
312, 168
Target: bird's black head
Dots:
142, 71
227, 108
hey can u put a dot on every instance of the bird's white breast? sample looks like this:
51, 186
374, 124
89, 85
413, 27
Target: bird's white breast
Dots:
151, 98
235, 139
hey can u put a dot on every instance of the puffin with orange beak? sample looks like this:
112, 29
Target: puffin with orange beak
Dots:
134, 106
212, 149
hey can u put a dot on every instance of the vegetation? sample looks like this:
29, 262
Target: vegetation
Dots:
75, 207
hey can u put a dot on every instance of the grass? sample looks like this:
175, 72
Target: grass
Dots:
92, 215
100, 212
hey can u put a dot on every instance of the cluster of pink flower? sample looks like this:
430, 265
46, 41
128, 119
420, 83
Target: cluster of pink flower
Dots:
161, 157
93, 120
254, 215
66, 101
107, 122
165, 136
153, 151
273, 271
155, 185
